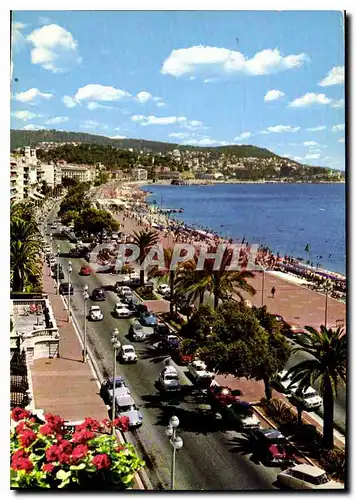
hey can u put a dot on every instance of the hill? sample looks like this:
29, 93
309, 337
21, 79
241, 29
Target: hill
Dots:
21, 138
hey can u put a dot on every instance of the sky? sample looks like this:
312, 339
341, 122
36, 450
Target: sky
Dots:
272, 79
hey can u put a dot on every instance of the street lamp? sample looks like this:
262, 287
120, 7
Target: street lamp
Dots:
263, 286
86, 297
327, 288
70, 269
116, 345
50, 254
176, 442
58, 249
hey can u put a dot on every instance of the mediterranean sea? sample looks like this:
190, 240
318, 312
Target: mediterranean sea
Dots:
283, 217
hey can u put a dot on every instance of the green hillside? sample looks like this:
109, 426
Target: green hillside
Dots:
21, 138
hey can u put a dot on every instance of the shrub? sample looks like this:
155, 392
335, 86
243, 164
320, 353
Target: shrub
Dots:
145, 294
333, 461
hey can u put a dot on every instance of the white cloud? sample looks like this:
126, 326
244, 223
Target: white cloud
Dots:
273, 95
144, 96
312, 156
69, 101
205, 141
57, 120
178, 135
92, 105
89, 124
30, 95
160, 104
17, 38
117, 137
293, 144
31, 126
189, 60
95, 92
341, 140
297, 158
210, 80
25, 115
335, 76
309, 99
167, 120
316, 129
137, 118
54, 48
244, 135
44, 20
338, 128
310, 143
277, 129
338, 104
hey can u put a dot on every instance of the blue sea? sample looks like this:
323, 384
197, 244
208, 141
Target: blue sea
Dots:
284, 217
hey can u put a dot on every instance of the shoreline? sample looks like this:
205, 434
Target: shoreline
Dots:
158, 218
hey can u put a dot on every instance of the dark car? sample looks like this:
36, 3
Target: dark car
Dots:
74, 252
98, 294
170, 343
136, 332
160, 331
272, 447
133, 303
148, 319
60, 272
66, 289
141, 309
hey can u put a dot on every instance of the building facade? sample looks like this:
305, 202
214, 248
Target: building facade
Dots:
139, 174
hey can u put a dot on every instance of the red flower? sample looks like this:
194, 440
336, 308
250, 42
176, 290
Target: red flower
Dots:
52, 453
55, 421
89, 424
65, 446
48, 468
64, 458
102, 461
79, 452
81, 437
22, 464
27, 438
19, 414
122, 423
22, 426
120, 448
19, 454
46, 429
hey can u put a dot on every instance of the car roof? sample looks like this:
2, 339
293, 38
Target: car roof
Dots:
117, 379
169, 369
95, 307
311, 470
125, 399
271, 433
127, 346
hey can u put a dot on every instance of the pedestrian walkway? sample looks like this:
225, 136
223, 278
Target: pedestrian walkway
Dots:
65, 385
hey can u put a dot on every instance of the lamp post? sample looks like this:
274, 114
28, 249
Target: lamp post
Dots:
58, 249
327, 288
263, 287
176, 442
116, 345
50, 254
69, 273
85, 297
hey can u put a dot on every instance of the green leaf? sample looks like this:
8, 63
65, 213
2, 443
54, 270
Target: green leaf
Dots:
78, 467
63, 475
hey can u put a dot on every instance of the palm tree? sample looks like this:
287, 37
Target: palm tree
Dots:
144, 239
327, 368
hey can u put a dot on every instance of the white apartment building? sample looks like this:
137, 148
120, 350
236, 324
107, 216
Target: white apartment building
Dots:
50, 173
139, 174
23, 179
83, 174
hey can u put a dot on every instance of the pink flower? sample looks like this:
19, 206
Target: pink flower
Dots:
55, 422
19, 414
48, 468
102, 461
89, 424
81, 437
22, 464
27, 438
79, 452
52, 453
46, 429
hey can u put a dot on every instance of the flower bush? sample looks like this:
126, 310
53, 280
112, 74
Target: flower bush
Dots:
50, 456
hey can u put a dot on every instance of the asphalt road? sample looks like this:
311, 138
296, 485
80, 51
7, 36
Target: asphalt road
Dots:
213, 457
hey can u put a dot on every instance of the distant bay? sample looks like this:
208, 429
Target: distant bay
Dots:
284, 217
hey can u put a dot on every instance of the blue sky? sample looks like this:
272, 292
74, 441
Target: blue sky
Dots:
268, 78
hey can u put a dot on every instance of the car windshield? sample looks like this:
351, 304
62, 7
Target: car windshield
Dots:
118, 384
171, 377
95, 309
129, 350
126, 408
322, 479
310, 394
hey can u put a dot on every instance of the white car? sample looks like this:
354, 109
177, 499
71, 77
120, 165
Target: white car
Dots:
308, 397
307, 477
126, 407
242, 412
124, 290
198, 370
163, 289
169, 380
128, 354
283, 382
122, 311
95, 313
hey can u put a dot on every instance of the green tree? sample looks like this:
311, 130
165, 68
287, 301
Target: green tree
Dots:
144, 239
93, 221
327, 368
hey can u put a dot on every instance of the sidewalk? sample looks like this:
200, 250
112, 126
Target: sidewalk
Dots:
65, 385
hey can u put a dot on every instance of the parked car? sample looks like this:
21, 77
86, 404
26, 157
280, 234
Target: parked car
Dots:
163, 289
308, 397
127, 297
121, 311
307, 477
278, 318
133, 303
65, 289
85, 271
123, 290
272, 447
170, 343
141, 308
106, 389
198, 370
136, 332
125, 407
242, 413
283, 382
127, 354
222, 396
180, 358
74, 252
148, 319
168, 380
95, 313
98, 294
60, 271
161, 330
